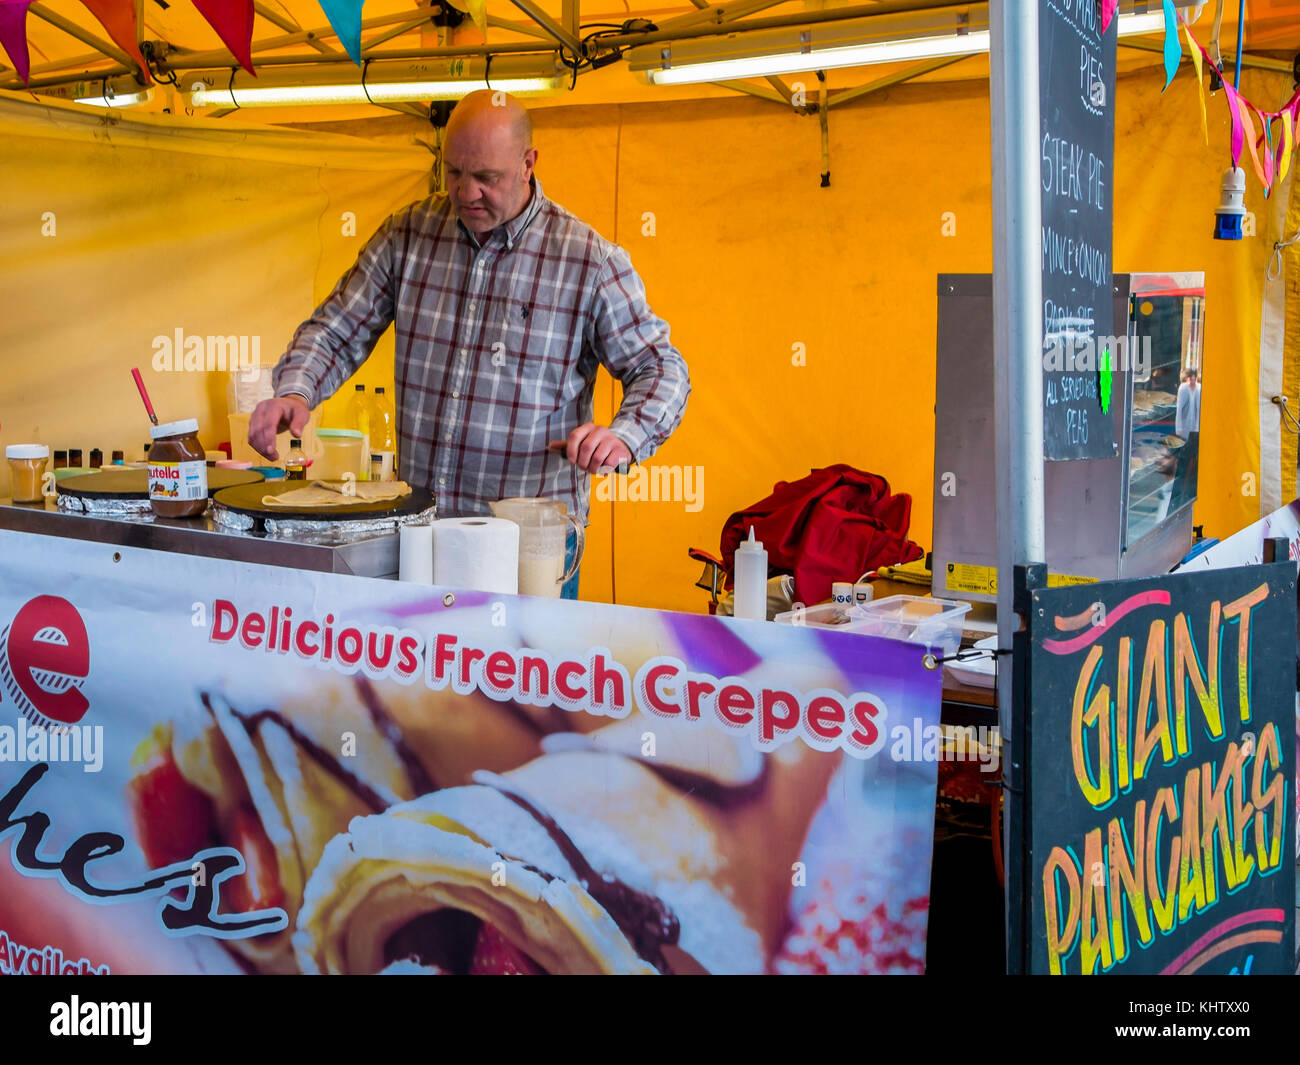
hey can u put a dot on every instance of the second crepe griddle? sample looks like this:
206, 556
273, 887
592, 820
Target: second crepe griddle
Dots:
247, 499
134, 484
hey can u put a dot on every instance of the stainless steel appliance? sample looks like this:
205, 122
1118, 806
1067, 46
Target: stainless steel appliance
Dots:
1126, 516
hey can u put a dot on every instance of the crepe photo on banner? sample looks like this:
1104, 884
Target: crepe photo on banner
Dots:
379, 782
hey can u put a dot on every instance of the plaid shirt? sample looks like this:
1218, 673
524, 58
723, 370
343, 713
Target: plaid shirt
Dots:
497, 349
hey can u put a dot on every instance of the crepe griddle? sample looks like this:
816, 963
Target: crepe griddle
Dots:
247, 499
134, 484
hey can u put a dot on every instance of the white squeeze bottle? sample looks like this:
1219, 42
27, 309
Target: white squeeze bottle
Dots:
751, 579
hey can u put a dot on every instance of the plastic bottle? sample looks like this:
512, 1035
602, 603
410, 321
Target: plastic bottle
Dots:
358, 418
383, 428
751, 580
295, 463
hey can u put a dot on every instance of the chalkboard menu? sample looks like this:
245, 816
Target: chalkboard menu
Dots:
1162, 743
1076, 106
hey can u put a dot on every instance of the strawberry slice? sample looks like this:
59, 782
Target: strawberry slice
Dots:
173, 819
259, 888
494, 955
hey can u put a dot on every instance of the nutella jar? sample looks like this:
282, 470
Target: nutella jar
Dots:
178, 470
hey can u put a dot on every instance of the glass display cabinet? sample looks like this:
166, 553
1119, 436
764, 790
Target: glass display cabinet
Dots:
1125, 516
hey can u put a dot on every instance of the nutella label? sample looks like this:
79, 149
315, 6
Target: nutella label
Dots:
178, 480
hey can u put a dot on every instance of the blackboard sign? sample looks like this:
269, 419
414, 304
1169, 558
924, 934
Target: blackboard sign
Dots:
1076, 70
1162, 742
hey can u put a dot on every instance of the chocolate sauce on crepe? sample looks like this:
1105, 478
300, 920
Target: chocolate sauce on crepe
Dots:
421, 782
647, 921
319, 754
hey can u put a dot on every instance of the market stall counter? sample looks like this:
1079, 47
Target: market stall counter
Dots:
258, 761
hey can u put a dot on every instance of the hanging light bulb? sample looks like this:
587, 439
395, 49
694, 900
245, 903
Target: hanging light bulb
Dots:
1232, 205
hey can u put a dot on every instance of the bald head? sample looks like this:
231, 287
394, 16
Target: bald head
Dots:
490, 109
489, 156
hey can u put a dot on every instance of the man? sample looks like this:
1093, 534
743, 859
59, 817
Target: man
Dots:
1187, 417
504, 305
1187, 424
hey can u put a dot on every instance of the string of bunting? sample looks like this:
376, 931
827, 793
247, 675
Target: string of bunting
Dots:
1272, 143
232, 19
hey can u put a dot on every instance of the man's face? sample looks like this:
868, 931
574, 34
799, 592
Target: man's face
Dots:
487, 175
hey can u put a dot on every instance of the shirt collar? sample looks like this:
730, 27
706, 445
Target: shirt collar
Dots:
511, 231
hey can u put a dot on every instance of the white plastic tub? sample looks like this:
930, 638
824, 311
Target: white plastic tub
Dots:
917, 619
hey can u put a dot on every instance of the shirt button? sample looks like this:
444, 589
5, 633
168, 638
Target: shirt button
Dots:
455, 395
473, 308
447, 437
442, 480
463, 353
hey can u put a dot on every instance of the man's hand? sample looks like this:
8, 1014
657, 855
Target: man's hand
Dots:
274, 416
593, 448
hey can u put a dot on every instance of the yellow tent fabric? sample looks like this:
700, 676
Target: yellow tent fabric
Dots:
115, 231
754, 264
807, 314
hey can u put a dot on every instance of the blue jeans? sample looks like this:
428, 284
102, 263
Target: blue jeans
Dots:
570, 589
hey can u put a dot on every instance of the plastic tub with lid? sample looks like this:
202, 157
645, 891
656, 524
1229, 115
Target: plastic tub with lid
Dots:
341, 452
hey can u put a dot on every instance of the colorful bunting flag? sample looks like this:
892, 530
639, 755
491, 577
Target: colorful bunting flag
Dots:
1108, 9
1200, 81
345, 17
233, 21
1273, 164
13, 35
118, 18
1173, 46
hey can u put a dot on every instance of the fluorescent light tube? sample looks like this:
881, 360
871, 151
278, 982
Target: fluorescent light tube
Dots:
356, 93
128, 99
690, 71
823, 59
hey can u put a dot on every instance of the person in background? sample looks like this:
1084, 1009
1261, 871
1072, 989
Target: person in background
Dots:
1187, 424
1187, 420
504, 305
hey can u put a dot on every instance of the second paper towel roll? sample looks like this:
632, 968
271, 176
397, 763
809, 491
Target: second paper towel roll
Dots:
481, 554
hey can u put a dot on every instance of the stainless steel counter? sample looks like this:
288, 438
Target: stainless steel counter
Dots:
372, 556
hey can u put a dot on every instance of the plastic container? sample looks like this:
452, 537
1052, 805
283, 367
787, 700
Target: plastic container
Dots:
916, 619
825, 616
341, 453
27, 464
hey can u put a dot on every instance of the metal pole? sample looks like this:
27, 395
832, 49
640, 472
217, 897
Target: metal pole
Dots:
1017, 330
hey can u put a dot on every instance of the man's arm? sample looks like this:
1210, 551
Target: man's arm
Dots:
632, 343
329, 347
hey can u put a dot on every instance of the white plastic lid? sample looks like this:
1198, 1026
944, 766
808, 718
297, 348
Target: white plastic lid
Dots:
186, 425
751, 544
27, 451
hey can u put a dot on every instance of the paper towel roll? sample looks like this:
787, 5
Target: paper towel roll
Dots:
415, 554
480, 554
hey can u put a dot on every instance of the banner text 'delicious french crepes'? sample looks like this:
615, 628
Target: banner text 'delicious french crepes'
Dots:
1213, 805
595, 684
